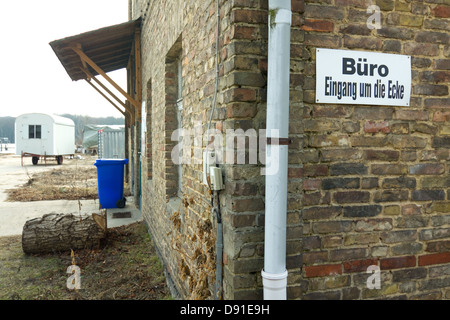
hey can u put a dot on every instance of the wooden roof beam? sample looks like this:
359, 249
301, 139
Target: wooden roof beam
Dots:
97, 69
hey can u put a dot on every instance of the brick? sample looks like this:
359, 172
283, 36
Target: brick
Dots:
348, 169
369, 183
372, 142
391, 195
442, 64
315, 257
434, 284
424, 128
347, 254
397, 262
243, 220
408, 142
316, 198
435, 233
240, 94
410, 209
311, 184
407, 248
375, 127
392, 46
311, 242
409, 274
354, 29
317, 25
435, 76
401, 114
426, 195
441, 11
242, 205
435, 258
323, 270
440, 220
337, 183
352, 196
362, 42
400, 128
332, 226
321, 213
320, 125
363, 238
321, 141
424, 49
432, 37
315, 170
373, 113
441, 142
396, 32
391, 210
324, 12
382, 155
439, 206
331, 112
414, 221
389, 169
430, 89
328, 155
367, 225
359, 265
420, 62
322, 295
436, 182
427, 169
249, 16
398, 236
438, 246
362, 211
432, 103
323, 40
400, 182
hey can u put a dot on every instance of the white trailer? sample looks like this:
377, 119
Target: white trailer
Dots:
40, 135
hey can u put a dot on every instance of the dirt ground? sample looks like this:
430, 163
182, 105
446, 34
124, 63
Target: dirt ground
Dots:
126, 267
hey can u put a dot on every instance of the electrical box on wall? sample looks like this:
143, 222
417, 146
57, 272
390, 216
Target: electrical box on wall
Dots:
209, 160
216, 178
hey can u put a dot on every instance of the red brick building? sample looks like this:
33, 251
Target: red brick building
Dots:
368, 184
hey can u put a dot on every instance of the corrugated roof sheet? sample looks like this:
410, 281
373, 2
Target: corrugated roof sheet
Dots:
108, 47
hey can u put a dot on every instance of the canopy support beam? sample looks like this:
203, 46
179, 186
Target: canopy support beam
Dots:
94, 66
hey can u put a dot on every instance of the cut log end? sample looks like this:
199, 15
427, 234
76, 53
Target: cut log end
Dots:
62, 232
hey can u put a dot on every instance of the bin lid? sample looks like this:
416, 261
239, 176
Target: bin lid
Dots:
106, 162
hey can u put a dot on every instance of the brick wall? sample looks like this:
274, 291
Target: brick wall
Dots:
375, 178
368, 185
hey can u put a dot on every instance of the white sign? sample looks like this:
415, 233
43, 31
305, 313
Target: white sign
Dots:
360, 77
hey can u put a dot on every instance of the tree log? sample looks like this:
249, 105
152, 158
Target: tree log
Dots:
62, 232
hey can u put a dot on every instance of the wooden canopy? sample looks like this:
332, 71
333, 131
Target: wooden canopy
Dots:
98, 52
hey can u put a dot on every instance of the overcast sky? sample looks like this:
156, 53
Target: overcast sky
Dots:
32, 79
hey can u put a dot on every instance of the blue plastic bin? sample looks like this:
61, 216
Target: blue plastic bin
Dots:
110, 176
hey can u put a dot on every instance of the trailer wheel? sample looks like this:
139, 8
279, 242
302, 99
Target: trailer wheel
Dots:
59, 159
35, 160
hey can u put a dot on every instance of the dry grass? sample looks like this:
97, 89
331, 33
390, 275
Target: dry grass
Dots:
74, 180
126, 268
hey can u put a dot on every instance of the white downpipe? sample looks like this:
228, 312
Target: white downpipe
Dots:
274, 274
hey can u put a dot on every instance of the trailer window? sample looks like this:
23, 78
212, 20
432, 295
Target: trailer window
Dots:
34, 132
